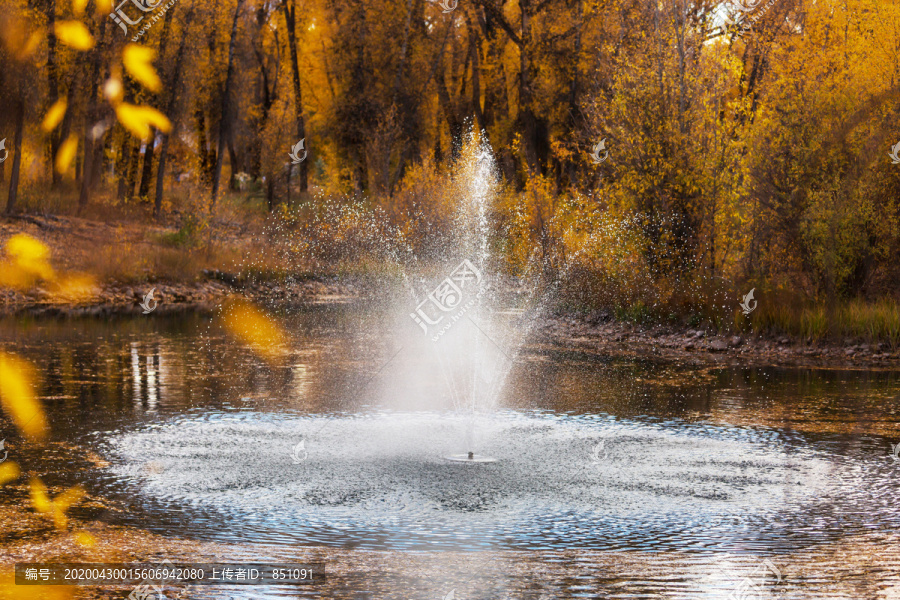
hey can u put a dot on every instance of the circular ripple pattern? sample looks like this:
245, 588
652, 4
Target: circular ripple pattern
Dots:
379, 481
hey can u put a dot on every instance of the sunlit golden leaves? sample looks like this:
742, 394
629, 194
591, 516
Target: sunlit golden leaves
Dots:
55, 115
27, 260
9, 471
77, 287
113, 90
138, 61
85, 539
74, 34
66, 154
17, 396
18, 39
254, 328
78, 6
10, 591
104, 7
57, 507
139, 119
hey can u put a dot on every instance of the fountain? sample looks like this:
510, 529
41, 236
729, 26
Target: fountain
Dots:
461, 315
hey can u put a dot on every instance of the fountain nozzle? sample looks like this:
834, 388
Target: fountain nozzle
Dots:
469, 457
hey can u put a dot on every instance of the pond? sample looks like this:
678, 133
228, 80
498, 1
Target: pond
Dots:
615, 477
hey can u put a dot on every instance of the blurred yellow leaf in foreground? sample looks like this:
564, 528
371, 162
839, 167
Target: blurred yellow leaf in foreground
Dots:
138, 62
18, 398
54, 115
138, 119
83, 538
75, 288
57, 507
74, 34
254, 328
9, 471
66, 153
10, 591
27, 261
30, 255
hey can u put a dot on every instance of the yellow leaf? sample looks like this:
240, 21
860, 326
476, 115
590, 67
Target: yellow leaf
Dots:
30, 255
39, 498
74, 34
34, 40
83, 538
54, 115
138, 119
10, 591
56, 508
66, 154
254, 328
9, 471
17, 396
69, 497
138, 62
112, 89
75, 288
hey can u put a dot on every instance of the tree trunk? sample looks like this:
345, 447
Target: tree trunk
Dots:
52, 89
123, 164
224, 125
233, 161
87, 180
290, 19
147, 172
526, 115
174, 84
17, 160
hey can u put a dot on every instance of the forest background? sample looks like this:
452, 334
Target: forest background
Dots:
744, 145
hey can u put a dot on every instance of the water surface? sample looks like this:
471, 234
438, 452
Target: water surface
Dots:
668, 475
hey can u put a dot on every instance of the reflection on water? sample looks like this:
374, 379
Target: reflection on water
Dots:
596, 453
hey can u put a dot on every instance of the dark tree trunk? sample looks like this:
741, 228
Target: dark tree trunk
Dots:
147, 172
17, 160
206, 165
90, 153
233, 161
224, 124
123, 164
172, 88
132, 170
290, 19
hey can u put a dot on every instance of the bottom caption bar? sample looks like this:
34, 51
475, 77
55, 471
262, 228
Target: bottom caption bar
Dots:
166, 573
